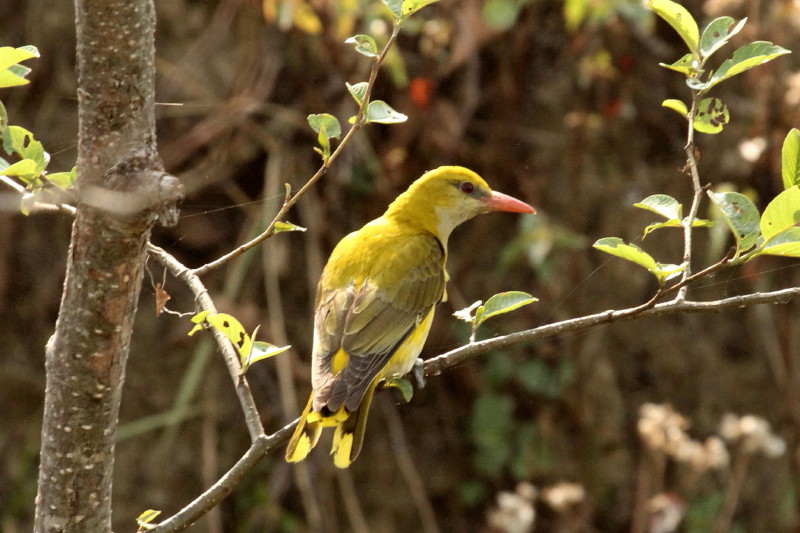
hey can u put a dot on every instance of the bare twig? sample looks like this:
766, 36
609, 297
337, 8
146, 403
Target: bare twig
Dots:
205, 303
691, 163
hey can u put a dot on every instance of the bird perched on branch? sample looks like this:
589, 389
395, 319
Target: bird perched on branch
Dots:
376, 299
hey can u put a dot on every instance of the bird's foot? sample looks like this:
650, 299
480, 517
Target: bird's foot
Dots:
419, 373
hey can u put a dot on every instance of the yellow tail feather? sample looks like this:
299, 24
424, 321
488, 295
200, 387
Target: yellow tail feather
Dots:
305, 437
347, 437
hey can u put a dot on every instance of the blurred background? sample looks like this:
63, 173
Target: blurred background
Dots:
638, 426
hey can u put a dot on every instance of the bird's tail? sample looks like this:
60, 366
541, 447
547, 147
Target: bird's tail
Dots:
305, 436
347, 437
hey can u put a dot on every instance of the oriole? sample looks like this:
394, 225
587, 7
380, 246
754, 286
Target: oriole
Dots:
376, 299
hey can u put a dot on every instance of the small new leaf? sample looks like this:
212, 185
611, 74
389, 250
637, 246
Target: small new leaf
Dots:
364, 45
502, 303
145, 520
358, 91
677, 106
327, 128
741, 216
261, 350
382, 113
680, 19
712, 114
687, 65
662, 204
790, 159
287, 226
717, 34
396, 7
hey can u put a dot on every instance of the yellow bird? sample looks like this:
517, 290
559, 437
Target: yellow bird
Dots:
375, 302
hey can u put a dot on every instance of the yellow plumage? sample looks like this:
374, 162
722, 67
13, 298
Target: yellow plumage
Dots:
376, 299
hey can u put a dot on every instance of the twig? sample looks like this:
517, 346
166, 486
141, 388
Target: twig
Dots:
205, 302
687, 222
290, 199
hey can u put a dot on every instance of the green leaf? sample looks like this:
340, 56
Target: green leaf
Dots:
631, 252
409, 7
327, 128
786, 243
676, 105
364, 44
11, 73
501, 303
680, 19
145, 520
782, 213
358, 91
11, 56
27, 171
3, 117
716, 34
403, 385
662, 204
261, 350
745, 58
790, 159
20, 141
396, 7
712, 114
287, 226
63, 180
687, 65
327, 123
382, 113
741, 215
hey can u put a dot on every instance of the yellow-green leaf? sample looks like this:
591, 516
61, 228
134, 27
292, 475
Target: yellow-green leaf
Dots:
790, 159
712, 114
680, 19
145, 520
501, 303
782, 213
676, 105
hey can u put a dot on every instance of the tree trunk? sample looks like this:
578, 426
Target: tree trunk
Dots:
122, 190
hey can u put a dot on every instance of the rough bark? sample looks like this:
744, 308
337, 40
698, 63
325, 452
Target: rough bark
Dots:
122, 190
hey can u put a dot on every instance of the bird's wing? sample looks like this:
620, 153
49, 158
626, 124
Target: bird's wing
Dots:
358, 328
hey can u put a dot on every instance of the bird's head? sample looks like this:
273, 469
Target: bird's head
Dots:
445, 197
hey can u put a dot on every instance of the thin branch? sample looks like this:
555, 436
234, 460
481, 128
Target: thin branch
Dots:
442, 362
227, 483
691, 163
290, 200
205, 303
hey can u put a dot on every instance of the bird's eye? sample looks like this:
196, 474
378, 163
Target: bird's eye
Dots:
466, 187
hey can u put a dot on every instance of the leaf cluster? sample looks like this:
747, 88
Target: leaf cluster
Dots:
31, 167
773, 233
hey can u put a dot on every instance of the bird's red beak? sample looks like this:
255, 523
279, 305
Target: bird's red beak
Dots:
503, 202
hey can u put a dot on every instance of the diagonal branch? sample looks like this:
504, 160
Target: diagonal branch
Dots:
290, 200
